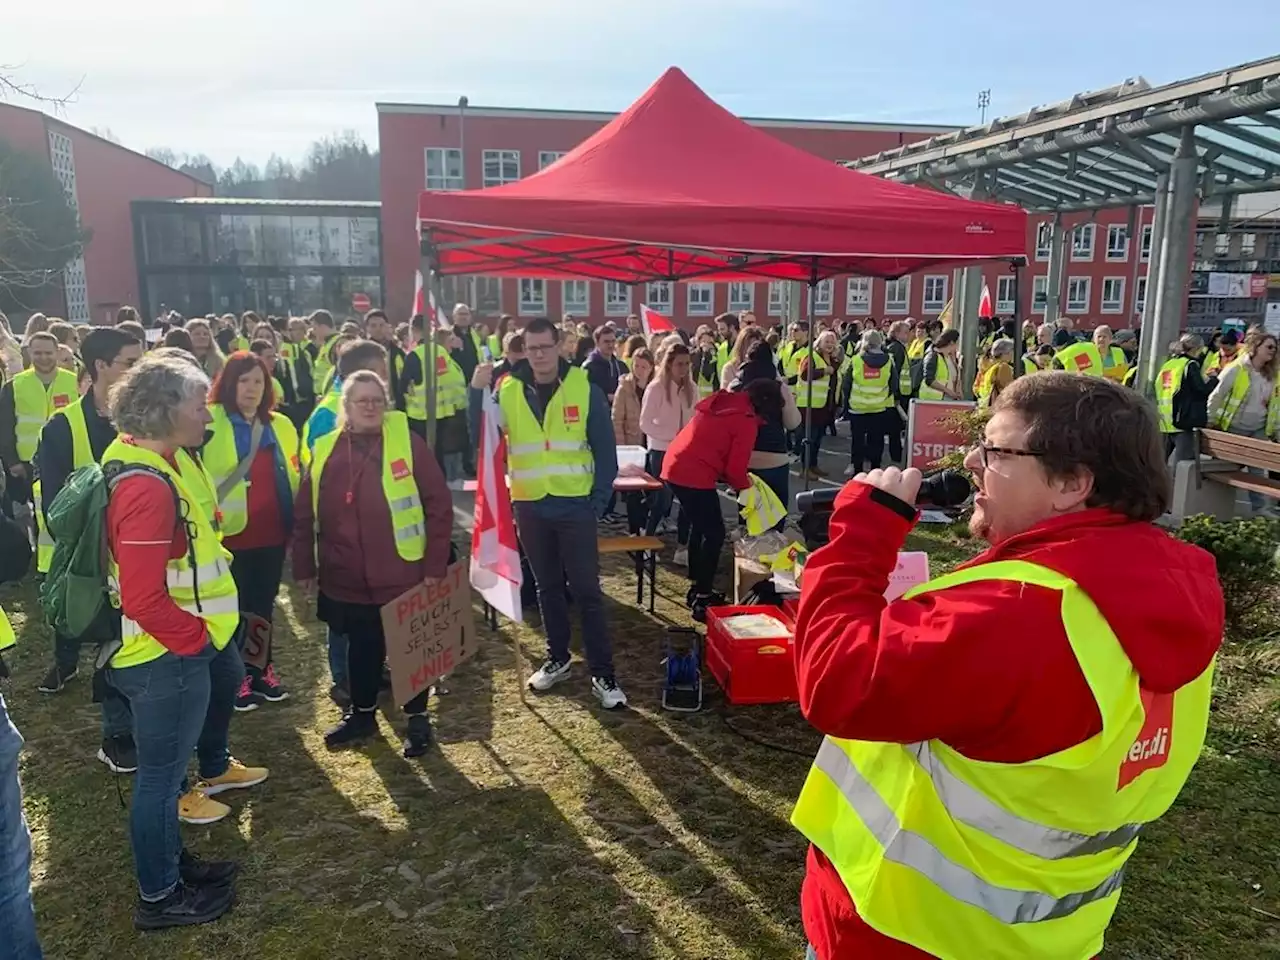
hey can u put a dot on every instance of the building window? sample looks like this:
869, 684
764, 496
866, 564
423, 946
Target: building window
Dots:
1044, 241
1248, 244
1113, 295
1117, 242
457, 289
1140, 296
1146, 243
577, 296
823, 294
1004, 295
1039, 293
1078, 294
935, 294
533, 297
897, 295
547, 157
659, 295
778, 298
1082, 242
1221, 244
489, 295
444, 168
617, 298
857, 298
742, 296
501, 166
701, 299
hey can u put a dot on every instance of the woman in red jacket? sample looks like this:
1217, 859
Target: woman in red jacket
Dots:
712, 448
359, 565
982, 673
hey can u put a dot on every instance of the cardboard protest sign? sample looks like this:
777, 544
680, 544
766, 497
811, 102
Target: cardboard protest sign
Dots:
257, 641
430, 631
929, 436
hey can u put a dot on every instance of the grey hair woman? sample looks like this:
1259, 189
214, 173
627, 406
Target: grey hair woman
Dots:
161, 403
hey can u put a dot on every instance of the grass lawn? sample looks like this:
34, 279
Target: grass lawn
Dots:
545, 828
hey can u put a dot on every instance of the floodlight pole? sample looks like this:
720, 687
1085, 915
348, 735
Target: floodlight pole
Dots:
1175, 252
1150, 350
1053, 284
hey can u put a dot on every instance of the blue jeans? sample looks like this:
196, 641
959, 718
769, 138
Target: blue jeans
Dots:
180, 704
338, 656
17, 918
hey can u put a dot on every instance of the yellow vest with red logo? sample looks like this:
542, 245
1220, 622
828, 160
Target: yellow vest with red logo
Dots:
969, 860
34, 404
408, 521
1081, 358
551, 458
870, 388
450, 385
221, 459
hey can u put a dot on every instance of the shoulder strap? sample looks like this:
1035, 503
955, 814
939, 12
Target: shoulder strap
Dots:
242, 468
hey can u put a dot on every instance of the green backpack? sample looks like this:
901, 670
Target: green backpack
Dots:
75, 595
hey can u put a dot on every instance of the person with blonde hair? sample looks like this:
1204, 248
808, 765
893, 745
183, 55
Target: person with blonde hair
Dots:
667, 406
633, 343
205, 348
1246, 399
738, 354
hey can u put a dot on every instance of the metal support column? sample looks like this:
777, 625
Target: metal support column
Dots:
1133, 241
957, 281
1020, 346
428, 263
1150, 351
968, 301
1053, 288
1175, 255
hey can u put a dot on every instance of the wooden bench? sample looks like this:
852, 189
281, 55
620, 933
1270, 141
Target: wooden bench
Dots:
1230, 452
645, 553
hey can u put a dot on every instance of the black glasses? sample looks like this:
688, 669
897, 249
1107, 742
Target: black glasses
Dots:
986, 449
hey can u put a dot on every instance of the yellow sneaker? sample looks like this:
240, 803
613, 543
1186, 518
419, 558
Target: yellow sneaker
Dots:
194, 806
237, 777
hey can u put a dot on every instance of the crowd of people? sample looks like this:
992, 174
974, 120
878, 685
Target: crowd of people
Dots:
229, 444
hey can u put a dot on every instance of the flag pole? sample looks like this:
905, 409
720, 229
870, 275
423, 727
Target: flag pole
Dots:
429, 265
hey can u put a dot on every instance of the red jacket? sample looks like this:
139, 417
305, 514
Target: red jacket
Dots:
715, 445
986, 668
358, 562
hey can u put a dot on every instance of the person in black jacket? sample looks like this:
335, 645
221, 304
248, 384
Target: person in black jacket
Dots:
1191, 402
378, 329
603, 367
107, 354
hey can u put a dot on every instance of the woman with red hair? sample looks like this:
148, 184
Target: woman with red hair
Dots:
251, 453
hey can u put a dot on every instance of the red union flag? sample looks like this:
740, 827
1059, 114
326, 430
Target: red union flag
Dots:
654, 322
929, 437
985, 309
495, 555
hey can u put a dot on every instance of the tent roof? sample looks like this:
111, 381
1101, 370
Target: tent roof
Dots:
677, 187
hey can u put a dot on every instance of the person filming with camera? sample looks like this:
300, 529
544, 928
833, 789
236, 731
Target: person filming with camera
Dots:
997, 738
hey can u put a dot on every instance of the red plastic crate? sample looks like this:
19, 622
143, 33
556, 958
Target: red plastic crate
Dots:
759, 670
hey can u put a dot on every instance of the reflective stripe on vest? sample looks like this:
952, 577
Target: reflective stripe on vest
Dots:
1023, 859
199, 581
1081, 358
44, 540
551, 458
34, 404
870, 389
408, 521
821, 386
1168, 383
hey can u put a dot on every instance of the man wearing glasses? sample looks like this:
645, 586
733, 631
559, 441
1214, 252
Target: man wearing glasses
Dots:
997, 738
562, 459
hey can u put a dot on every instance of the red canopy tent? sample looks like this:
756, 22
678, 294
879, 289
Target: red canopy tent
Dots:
678, 188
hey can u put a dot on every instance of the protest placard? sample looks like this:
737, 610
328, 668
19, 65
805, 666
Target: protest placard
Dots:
257, 641
929, 436
430, 631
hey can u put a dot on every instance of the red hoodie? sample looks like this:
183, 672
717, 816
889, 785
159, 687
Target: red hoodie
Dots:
715, 445
986, 668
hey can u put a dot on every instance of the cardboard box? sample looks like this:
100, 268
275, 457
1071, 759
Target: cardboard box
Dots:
746, 574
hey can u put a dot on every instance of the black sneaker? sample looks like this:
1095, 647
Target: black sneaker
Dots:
187, 906
701, 602
355, 727
267, 685
420, 739
200, 872
56, 679
119, 753
248, 699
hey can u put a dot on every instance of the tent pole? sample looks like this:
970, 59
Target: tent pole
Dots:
429, 264
1020, 347
807, 440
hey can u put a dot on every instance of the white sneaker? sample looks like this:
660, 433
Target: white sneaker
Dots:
681, 557
549, 674
608, 693
851, 471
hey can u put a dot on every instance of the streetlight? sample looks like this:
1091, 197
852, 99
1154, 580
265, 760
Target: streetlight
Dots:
984, 101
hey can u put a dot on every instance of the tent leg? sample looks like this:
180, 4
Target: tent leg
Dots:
428, 264
1019, 349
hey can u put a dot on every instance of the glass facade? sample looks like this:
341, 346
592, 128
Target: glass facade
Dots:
275, 258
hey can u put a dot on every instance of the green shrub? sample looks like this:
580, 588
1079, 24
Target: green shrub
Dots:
969, 424
1245, 551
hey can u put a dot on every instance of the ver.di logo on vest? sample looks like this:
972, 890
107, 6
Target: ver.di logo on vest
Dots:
399, 470
60, 400
571, 414
1151, 748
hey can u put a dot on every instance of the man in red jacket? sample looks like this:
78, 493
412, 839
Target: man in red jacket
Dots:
996, 739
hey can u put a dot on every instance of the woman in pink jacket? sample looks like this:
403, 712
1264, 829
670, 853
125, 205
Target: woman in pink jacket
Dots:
667, 406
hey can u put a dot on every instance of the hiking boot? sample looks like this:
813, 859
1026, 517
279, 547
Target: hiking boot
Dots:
199, 872
419, 740
549, 674
56, 679
186, 906
248, 699
356, 727
236, 777
196, 807
268, 685
608, 692
119, 753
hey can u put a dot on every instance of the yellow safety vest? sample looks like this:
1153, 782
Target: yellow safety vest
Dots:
221, 459
723, 350
986, 382
789, 356
199, 581
945, 373
821, 386
495, 347
1081, 358
916, 348
239, 344
451, 386
81, 456
551, 458
1216, 360
870, 389
34, 404
1236, 398
323, 366
966, 859
332, 402
408, 521
1115, 364
7, 636
1168, 383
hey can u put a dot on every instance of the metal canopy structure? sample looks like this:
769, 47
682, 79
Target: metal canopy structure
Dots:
1214, 136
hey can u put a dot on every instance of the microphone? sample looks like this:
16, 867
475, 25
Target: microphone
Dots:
946, 488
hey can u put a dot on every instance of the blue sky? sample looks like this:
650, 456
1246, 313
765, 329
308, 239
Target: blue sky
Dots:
253, 77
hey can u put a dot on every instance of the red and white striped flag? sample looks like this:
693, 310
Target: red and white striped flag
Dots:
654, 322
985, 310
421, 297
495, 555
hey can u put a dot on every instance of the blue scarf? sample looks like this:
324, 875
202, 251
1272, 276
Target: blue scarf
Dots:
244, 436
